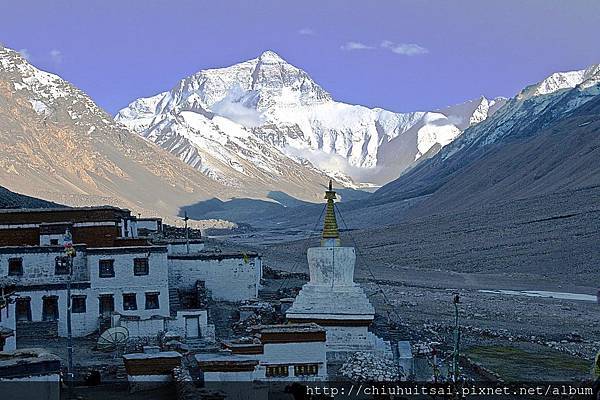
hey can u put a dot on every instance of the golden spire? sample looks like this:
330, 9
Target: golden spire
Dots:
331, 235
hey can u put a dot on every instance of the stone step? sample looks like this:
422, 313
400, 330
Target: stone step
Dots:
121, 372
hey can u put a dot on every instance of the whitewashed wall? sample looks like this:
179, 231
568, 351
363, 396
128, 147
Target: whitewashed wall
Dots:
229, 279
82, 323
291, 354
125, 281
39, 264
143, 327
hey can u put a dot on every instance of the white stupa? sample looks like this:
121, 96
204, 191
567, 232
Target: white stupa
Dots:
332, 299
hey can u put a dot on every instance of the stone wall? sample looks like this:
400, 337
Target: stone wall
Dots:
231, 278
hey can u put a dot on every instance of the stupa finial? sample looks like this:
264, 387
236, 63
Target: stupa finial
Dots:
331, 234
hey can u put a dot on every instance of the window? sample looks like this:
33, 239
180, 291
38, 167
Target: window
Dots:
107, 305
277, 370
15, 266
107, 268
53, 242
129, 301
152, 301
50, 308
78, 304
23, 309
306, 369
140, 266
61, 266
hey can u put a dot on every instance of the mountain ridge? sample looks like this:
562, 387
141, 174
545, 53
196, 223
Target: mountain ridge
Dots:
285, 111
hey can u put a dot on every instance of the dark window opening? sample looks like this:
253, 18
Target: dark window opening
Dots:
152, 301
54, 242
61, 266
15, 266
23, 309
107, 305
140, 266
107, 268
50, 308
78, 304
277, 370
306, 369
129, 302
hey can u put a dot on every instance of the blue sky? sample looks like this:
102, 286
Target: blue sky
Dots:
399, 55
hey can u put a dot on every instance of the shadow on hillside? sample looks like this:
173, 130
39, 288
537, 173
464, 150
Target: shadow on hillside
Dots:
282, 209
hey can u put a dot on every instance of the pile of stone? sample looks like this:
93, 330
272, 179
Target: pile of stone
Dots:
368, 367
186, 390
256, 313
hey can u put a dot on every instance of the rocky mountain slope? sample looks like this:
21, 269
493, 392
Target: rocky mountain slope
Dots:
525, 116
512, 203
10, 199
264, 116
56, 144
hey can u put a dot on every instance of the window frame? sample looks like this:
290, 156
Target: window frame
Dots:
78, 297
147, 295
101, 268
102, 297
145, 267
11, 266
306, 370
130, 308
60, 271
277, 371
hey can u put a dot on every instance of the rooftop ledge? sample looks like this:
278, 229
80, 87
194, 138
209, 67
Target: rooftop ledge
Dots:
212, 255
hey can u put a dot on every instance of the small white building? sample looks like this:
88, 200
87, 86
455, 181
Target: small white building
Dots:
150, 369
294, 352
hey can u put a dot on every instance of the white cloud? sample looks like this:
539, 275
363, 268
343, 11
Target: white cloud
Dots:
25, 54
307, 32
405, 49
331, 163
239, 106
56, 56
350, 46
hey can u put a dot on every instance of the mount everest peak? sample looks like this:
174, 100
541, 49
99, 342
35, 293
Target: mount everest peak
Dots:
218, 119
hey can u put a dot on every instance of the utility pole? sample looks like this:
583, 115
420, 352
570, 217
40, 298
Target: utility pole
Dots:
68, 260
187, 233
455, 355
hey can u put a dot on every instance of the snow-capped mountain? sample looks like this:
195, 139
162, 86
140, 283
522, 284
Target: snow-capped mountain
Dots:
57, 144
534, 109
265, 116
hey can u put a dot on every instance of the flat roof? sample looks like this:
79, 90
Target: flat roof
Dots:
61, 209
149, 356
290, 328
212, 255
126, 249
224, 356
25, 356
